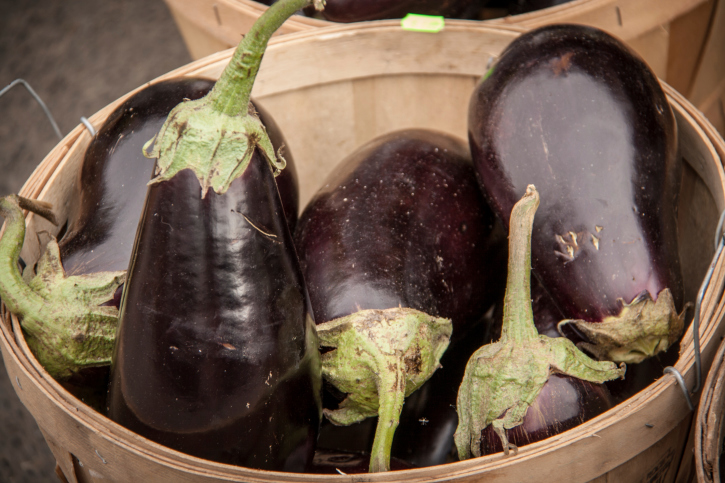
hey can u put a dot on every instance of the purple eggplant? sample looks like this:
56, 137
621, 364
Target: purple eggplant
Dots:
363, 10
216, 353
573, 111
399, 224
509, 384
113, 179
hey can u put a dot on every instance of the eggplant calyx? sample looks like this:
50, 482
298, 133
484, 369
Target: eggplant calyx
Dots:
504, 378
217, 135
67, 327
216, 147
379, 357
642, 329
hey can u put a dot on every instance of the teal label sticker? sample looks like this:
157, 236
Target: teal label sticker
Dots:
422, 23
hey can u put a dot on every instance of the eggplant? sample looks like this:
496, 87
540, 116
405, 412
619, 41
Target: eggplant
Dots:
400, 223
216, 353
100, 232
509, 383
113, 179
574, 111
346, 11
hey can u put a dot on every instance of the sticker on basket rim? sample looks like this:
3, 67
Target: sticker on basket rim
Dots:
422, 23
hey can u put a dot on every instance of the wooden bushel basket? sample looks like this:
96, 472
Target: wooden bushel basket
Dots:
668, 34
330, 91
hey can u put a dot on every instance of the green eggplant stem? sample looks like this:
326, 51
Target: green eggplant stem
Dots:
518, 313
232, 91
391, 405
41, 208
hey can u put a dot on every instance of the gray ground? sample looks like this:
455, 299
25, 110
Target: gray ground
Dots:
78, 55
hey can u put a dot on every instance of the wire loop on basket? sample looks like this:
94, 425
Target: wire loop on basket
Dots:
719, 245
88, 125
37, 99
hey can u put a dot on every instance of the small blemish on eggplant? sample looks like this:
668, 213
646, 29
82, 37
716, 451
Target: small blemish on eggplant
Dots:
595, 242
562, 64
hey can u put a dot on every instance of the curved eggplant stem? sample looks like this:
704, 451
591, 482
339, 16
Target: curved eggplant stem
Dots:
391, 390
518, 321
232, 91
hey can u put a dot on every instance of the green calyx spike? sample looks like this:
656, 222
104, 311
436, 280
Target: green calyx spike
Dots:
380, 357
216, 136
67, 328
504, 378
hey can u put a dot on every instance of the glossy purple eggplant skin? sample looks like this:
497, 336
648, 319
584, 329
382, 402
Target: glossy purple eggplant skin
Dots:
213, 352
115, 172
569, 109
400, 222
346, 11
563, 403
